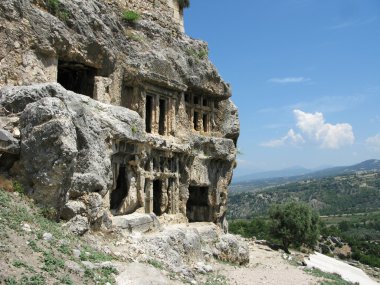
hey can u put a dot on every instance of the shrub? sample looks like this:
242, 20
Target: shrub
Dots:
55, 8
17, 187
6, 184
49, 213
294, 223
183, 3
198, 54
130, 16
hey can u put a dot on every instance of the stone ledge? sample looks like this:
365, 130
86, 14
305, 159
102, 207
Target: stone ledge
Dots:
137, 222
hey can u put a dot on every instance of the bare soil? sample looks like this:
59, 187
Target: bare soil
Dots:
266, 266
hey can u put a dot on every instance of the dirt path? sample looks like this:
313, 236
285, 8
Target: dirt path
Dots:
266, 267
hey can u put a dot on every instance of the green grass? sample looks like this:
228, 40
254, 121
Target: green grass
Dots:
65, 249
22, 264
328, 278
89, 254
36, 279
216, 279
130, 16
15, 210
56, 9
198, 54
51, 262
155, 263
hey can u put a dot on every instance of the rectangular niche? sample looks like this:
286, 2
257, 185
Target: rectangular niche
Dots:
197, 207
121, 190
205, 123
77, 77
157, 197
196, 121
127, 96
148, 114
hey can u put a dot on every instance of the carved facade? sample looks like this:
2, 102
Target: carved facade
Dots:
182, 163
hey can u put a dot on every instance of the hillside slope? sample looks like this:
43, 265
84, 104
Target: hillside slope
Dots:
36, 250
342, 194
256, 181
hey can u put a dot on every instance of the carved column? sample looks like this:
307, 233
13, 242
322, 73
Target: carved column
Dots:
148, 196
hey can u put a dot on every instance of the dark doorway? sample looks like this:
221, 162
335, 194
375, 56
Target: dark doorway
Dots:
205, 123
76, 77
121, 190
162, 119
157, 197
197, 208
195, 121
148, 114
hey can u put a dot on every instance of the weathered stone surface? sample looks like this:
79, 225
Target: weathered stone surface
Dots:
9, 150
48, 150
78, 225
154, 131
74, 267
136, 222
8, 144
231, 248
142, 274
95, 207
72, 208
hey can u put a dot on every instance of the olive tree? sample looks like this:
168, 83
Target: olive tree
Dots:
294, 223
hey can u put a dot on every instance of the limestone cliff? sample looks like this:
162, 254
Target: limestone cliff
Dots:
154, 130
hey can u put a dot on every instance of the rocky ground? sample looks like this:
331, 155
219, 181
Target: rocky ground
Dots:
35, 250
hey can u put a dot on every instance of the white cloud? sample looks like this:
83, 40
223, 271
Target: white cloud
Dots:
352, 23
291, 138
374, 142
327, 135
287, 80
313, 128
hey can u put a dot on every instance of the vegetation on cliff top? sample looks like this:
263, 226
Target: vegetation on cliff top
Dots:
184, 3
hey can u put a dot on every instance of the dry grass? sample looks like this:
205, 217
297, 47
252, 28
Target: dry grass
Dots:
6, 184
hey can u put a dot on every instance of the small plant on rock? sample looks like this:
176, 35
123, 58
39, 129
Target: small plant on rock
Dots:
56, 9
183, 3
130, 16
53, 6
17, 187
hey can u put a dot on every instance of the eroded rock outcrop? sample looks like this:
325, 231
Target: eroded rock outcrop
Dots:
153, 132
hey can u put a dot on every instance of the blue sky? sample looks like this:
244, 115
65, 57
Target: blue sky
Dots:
305, 76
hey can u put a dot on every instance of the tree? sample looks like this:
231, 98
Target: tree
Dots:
294, 223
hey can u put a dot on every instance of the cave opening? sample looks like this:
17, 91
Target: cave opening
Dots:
157, 197
77, 77
197, 207
121, 190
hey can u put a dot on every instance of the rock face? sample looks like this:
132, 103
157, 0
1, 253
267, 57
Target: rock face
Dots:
154, 130
177, 247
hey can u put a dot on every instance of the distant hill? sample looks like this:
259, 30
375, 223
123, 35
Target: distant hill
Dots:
256, 181
356, 191
287, 172
368, 165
